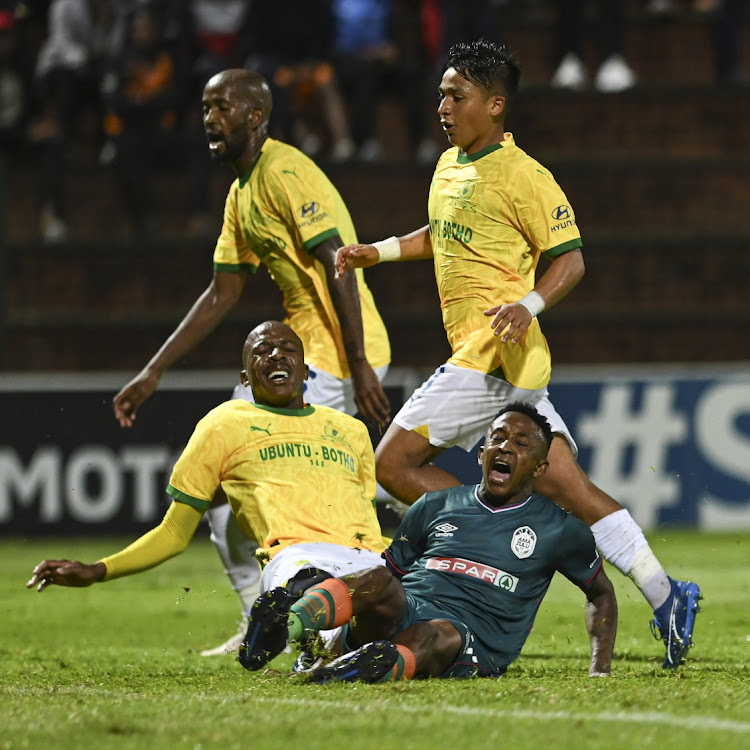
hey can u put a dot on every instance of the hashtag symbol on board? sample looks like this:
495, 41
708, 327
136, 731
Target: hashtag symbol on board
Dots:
630, 446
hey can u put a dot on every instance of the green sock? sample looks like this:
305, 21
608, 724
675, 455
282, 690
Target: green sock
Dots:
295, 626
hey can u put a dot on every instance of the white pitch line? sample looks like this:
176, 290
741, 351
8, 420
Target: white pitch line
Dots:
701, 723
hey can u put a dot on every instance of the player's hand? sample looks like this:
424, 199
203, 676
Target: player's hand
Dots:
510, 321
131, 396
65, 573
369, 396
355, 256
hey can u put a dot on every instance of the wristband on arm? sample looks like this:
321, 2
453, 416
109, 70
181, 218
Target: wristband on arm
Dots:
533, 302
389, 249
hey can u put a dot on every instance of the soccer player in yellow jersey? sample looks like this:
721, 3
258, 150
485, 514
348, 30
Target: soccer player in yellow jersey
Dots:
493, 210
300, 479
283, 212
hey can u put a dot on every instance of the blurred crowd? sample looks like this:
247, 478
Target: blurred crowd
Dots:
139, 66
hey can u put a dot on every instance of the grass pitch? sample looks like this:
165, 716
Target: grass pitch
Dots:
117, 666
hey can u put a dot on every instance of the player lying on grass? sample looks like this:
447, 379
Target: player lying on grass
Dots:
465, 576
300, 480
493, 212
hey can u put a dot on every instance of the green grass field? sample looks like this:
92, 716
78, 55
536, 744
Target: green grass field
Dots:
117, 666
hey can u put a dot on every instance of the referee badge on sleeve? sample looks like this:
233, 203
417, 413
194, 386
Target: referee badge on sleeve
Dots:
523, 542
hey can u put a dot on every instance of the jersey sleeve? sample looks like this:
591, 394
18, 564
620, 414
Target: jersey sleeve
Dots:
305, 207
409, 541
198, 472
232, 254
577, 557
168, 539
544, 214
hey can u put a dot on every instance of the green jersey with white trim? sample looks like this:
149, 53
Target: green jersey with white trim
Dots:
489, 567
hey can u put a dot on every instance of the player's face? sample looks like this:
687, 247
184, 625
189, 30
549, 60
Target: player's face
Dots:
512, 457
225, 120
274, 366
469, 115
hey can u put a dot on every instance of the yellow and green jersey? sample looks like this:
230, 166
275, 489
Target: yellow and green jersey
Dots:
290, 475
281, 210
492, 214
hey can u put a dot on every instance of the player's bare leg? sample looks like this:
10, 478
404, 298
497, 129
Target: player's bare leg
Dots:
403, 468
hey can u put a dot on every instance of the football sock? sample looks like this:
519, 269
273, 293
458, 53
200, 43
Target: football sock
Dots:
237, 552
404, 668
326, 606
620, 541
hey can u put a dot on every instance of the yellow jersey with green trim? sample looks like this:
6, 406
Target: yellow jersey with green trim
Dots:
290, 475
276, 215
492, 214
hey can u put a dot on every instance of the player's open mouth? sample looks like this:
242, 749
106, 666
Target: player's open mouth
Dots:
278, 376
447, 126
500, 471
215, 140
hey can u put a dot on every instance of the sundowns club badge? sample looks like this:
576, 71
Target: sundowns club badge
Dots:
523, 542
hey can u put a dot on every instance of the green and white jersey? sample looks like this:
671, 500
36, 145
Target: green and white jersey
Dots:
486, 567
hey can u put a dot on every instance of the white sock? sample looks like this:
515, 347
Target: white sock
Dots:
237, 552
620, 541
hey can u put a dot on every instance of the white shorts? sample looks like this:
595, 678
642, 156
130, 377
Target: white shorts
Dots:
457, 405
322, 388
332, 558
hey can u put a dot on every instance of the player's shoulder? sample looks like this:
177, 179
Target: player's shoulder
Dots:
285, 161
454, 497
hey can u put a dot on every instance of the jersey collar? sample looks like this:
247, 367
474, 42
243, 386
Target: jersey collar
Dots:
469, 158
502, 508
305, 411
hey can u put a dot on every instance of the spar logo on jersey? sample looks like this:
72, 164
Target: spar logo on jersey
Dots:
523, 542
445, 529
495, 576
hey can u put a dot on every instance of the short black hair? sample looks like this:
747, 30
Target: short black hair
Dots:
486, 64
531, 413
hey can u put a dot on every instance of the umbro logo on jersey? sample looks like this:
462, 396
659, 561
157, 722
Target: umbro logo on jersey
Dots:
446, 529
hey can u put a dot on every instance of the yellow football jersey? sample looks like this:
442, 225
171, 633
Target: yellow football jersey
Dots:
491, 216
275, 215
290, 475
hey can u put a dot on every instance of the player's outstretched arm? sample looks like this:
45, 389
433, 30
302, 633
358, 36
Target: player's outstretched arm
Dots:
65, 573
414, 246
601, 623
208, 311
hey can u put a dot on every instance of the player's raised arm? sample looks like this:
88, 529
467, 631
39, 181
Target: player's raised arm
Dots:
601, 623
413, 246
206, 313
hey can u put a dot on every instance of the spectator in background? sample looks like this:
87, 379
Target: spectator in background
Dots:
14, 81
417, 34
143, 115
67, 74
290, 46
613, 73
363, 49
727, 20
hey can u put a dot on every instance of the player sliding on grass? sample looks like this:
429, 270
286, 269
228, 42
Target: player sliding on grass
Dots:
281, 212
493, 211
300, 480
465, 576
